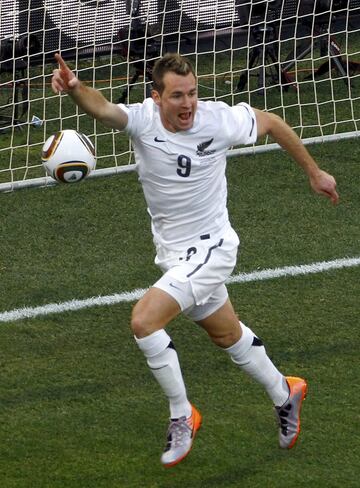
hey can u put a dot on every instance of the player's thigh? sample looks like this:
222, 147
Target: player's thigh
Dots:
222, 325
153, 312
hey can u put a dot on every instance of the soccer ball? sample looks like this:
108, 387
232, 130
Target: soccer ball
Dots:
68, 156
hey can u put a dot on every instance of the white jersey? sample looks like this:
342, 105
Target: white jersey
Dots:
183, 173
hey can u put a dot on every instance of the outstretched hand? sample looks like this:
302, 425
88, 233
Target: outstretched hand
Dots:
63, 78
325, 184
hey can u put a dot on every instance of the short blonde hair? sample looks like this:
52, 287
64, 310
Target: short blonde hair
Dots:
170, 62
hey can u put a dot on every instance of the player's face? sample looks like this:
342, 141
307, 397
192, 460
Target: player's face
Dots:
177, 102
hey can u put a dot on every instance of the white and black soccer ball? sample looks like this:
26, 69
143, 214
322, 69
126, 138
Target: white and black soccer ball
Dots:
68, 156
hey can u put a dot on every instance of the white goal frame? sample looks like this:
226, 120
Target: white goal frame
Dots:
297, 58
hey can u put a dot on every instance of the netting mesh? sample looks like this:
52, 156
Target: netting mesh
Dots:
298, 58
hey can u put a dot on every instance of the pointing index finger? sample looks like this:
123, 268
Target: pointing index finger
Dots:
61, 62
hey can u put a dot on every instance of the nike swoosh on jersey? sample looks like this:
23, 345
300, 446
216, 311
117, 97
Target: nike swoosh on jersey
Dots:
174, 286
156, 139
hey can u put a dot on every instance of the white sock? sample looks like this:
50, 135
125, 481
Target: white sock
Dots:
163, 361
250, 355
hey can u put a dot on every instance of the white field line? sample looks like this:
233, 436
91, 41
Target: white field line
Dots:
266, 274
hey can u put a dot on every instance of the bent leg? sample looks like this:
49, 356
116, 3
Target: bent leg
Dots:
150, 315
222, 326
153, 312
246, 350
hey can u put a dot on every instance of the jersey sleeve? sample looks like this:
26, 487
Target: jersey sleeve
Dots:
241, 125
139, 118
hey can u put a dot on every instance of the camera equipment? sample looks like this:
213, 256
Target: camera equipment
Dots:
14, 51
262, 16
14, 60
137, 44
317, 18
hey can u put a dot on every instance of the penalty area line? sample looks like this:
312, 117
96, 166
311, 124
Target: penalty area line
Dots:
130, 296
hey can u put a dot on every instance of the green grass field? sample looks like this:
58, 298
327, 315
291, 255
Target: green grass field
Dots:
79, 408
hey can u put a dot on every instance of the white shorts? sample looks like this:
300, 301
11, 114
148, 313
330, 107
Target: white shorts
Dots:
196, 277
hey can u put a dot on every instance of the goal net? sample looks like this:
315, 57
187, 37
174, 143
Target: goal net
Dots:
297, 58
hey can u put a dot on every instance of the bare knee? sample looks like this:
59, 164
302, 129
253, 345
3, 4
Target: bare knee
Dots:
225, 339
153, 312
140, 325
223, 326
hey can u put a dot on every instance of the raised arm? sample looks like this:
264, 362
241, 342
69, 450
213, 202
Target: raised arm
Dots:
273, 125
88, 99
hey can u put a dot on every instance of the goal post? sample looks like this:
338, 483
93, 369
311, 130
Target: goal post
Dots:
297, 58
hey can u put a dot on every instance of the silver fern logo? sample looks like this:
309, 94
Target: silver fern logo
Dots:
202, 148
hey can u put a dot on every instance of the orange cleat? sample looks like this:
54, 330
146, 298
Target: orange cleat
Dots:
288, 415
180, 438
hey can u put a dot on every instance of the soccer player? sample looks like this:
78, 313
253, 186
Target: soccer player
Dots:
180, 146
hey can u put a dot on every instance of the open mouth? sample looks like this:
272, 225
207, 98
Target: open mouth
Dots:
185, 117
